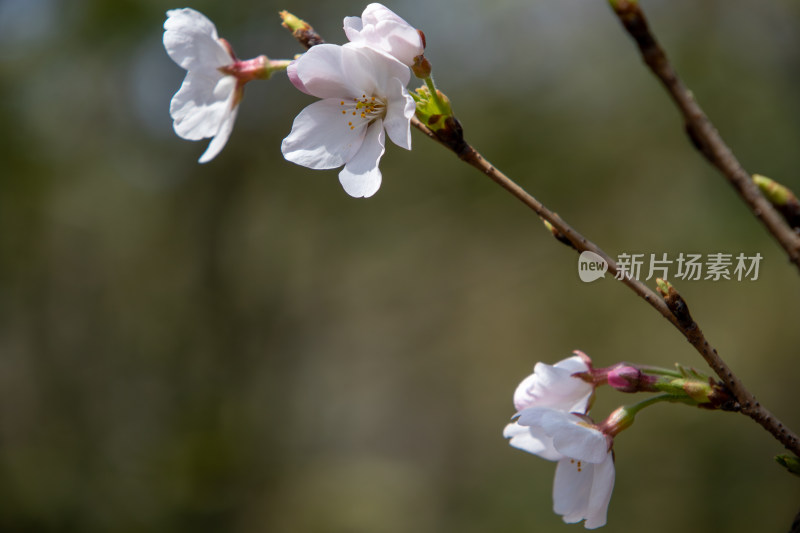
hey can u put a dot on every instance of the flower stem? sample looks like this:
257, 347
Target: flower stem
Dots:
658, 371
276, 65
635, 408
623, 417
434, 93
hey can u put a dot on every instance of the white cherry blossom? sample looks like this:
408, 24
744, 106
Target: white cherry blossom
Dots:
380, 28
585, 473
363, 99
208, 100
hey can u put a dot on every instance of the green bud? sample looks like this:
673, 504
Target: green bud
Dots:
432, 111
663, 287
789, 462
557, 234
776, 193
781, 197
301, 30
293, 23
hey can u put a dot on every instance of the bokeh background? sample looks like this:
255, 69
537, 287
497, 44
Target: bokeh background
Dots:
241, 347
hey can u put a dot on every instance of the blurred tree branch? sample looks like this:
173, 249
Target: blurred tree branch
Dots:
701, 131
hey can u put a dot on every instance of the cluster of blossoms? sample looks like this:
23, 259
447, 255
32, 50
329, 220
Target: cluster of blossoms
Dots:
552, 422
361, 86
363, 98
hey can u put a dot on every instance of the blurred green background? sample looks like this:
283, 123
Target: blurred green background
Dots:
241, 347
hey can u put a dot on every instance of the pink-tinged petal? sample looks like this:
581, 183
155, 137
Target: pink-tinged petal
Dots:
223, 134
201, 104
319, 72
382, 29
361, 176
399, 111
600, 497
571, 489
525, 395
554, 386
190, 39
321, 137
291, 73
532, 440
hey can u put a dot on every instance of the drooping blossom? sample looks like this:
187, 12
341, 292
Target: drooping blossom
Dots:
380, 28
363, 99
585, 472
208, 100
556, 386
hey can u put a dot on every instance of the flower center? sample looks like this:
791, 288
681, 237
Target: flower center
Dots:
362, 110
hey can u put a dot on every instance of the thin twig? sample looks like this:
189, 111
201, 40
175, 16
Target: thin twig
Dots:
701, 131
748, 404
452, 138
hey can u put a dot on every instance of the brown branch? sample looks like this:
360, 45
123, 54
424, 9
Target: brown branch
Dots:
748, 405
795, 524
452, 138
674, 310
701, 131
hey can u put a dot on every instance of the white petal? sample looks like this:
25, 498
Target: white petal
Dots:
402, 42
524, 395
573, 364
319, 72
554, 386
223, 134
582, 443
571, 489
376, 12
600, 497
399, 111
571, 437
532, 440
352, 26
201, 105
321, 138
381, 28
361, 176
190, 39
372, 71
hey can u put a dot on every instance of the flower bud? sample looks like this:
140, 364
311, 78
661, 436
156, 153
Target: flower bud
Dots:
626, 378
776, 193
301, 30
620, 419
781, 197
789, 462
421, 67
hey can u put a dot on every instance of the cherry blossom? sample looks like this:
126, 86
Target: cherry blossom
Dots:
380, 28
363, 99
556, 386
208, 100
585, 472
